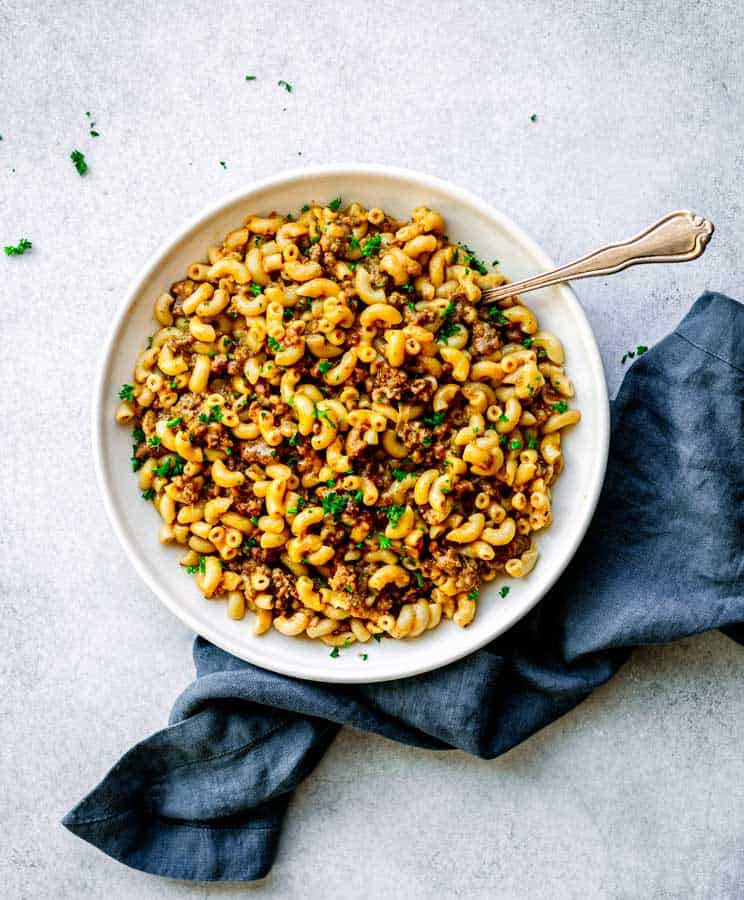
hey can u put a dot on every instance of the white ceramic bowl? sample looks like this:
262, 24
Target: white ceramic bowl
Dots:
470, 221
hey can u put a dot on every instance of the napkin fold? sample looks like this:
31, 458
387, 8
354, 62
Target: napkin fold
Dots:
204, 798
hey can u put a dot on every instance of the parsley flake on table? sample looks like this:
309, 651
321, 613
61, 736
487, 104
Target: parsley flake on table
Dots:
364, 657
250, 77
19, 249
223, 164
91, 126
377, 637
126, 392
286, 85
631, 354
78, 160
533, 117
504, 591
335, 653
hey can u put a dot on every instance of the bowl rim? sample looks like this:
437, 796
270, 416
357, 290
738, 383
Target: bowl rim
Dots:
282, 179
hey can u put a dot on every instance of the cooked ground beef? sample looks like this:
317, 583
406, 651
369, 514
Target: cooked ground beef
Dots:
486, 338
389, 383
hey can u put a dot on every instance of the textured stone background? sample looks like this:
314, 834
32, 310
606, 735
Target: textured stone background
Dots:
638, 793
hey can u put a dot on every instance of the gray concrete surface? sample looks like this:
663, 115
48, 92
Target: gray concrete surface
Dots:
638, 793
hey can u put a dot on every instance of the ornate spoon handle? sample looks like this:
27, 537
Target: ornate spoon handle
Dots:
678, 237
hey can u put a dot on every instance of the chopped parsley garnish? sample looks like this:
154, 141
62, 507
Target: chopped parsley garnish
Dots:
503, 417
149, 341
532, 443
400, 475
334, 504
322, 414
357, 496
254, 520
377, 637
335, 204
448, 329
419, 578
394, 513
305, 207
407, 286
561, 406
154, 441
470, 259
200, 567
434, 419
172, 423
19, 249
331, 482
136, 463
504, 591
495, 313
449, 310
410, 304
473, 595
273, 344
255, 289
315, 239
250, 77
216, 413
148, 494
335, 653
78, 160
364, 657
639, 350
426, 441
354, 243
494, 262
91, 126
173, 384
295, 439
324, 366
138, 434
126, 392
286, 85
515, 445
249, 544
372, 245
385, 543
527, 342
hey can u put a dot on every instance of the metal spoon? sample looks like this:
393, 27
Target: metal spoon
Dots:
678, 237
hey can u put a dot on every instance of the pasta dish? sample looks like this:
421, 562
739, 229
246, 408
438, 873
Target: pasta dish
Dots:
346, 442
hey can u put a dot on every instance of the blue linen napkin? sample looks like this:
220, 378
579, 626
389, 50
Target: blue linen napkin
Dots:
204, 798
